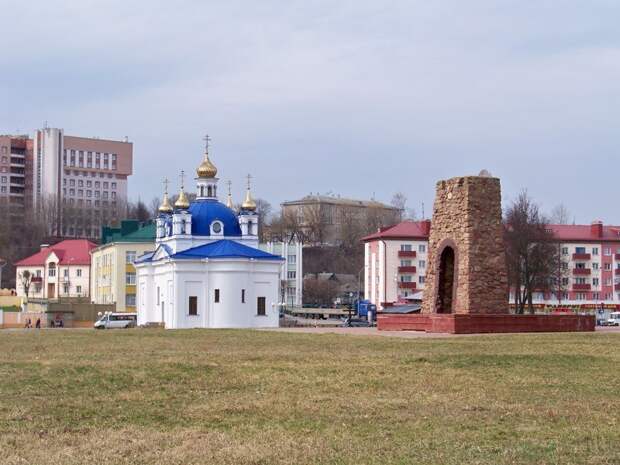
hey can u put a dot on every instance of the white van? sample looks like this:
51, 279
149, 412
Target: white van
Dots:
614, 319
111, 320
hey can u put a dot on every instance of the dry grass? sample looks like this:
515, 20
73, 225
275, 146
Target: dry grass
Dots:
244, 397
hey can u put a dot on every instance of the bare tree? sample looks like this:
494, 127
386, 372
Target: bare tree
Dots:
319, 291
531, 252
25, 278
559, 215
399, 201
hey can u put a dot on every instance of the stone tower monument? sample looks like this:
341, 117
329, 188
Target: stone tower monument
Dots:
466, 268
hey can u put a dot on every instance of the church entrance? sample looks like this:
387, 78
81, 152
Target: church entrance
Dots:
445, 287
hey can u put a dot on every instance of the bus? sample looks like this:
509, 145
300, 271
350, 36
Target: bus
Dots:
110, 320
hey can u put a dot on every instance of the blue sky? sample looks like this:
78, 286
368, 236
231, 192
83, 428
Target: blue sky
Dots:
352, 97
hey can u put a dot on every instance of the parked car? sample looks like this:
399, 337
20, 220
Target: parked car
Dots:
111, 320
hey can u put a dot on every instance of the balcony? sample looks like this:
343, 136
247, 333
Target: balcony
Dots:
582, 271
617, 287
617, 256
406, 253
582, 287
406, 269
581, 256
36, 279
404, 285
617, 271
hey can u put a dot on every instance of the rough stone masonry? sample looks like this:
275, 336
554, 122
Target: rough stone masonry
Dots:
466, 267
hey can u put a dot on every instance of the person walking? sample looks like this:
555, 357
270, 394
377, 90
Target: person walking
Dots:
28, 324
38, 323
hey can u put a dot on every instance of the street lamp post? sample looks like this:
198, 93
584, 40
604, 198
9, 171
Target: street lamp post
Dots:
2, 265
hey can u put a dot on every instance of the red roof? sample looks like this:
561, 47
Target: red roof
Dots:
585, 232
404, 230
69, 252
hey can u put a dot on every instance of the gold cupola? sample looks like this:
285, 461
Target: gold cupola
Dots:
182, 202
248, 203
229, 200
165, 206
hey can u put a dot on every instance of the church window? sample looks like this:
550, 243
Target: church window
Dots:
217, 296
242, 296
193, 305
217, 227
209, 192
261, 309
157, 295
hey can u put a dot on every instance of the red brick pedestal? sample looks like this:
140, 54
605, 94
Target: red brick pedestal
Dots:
480, 323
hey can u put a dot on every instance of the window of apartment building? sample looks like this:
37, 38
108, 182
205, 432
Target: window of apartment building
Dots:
51, 272
261, 306
5, 159
217, 296
130, 256
4, 169
71, 191
609, 296
130, 278
80, 193
594, 250
406, 278
97, 194
37, 273
89, 193
564, 266
4, 179
405, 263
292, 259
3, 189
105, 194
93, 174
422, 248
421, 263
580, 266
105, 184
596, 296
4, 149
607, 266
80, 183
580, 250
242, 296
113, 185
65, 288
72, 182
580, 280
564, 281
580, 296
607, 251
89, 184
89, 202
421, 279
78, 289
97, 184
65, 272
110, 176
607, 282
78, 272
595, 266
405, 247
97, 203
130, 300
113, 195
292, 275
595, 281
192, 304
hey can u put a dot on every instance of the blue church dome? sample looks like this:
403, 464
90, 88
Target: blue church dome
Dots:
205, 212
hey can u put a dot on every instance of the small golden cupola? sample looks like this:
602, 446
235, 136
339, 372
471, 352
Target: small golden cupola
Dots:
229, 200
206, 169
182, 202
248, 203
165, 206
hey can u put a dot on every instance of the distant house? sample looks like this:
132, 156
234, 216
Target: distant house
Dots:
112, 265
59, 270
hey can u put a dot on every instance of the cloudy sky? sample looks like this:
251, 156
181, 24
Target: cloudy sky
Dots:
354, 97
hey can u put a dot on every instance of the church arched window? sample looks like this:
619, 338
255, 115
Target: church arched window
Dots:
209, 192
216, 228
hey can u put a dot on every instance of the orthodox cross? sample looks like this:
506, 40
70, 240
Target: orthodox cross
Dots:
229, 184
207, 139
166, 185
249, 178
182, 179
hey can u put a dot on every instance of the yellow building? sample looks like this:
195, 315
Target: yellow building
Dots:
113, 276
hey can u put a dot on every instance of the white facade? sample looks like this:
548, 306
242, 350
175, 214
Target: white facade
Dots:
53, 280
207, 270
291, 271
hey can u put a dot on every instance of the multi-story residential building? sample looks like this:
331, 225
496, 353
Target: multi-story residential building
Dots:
60, 270
323, 218
112, 263
15, 164
81, 181
395, 261
291, 272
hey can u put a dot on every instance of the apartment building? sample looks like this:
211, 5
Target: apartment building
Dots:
113, 275
82, 181
395, 261
291, 271
15, 164
321, 218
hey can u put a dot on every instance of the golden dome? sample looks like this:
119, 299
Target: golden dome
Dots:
206, 168
248, 203
165, 206
182, 203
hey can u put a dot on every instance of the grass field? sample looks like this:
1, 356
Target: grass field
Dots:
244, 397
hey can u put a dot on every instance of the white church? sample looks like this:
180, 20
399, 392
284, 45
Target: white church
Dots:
206, 270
